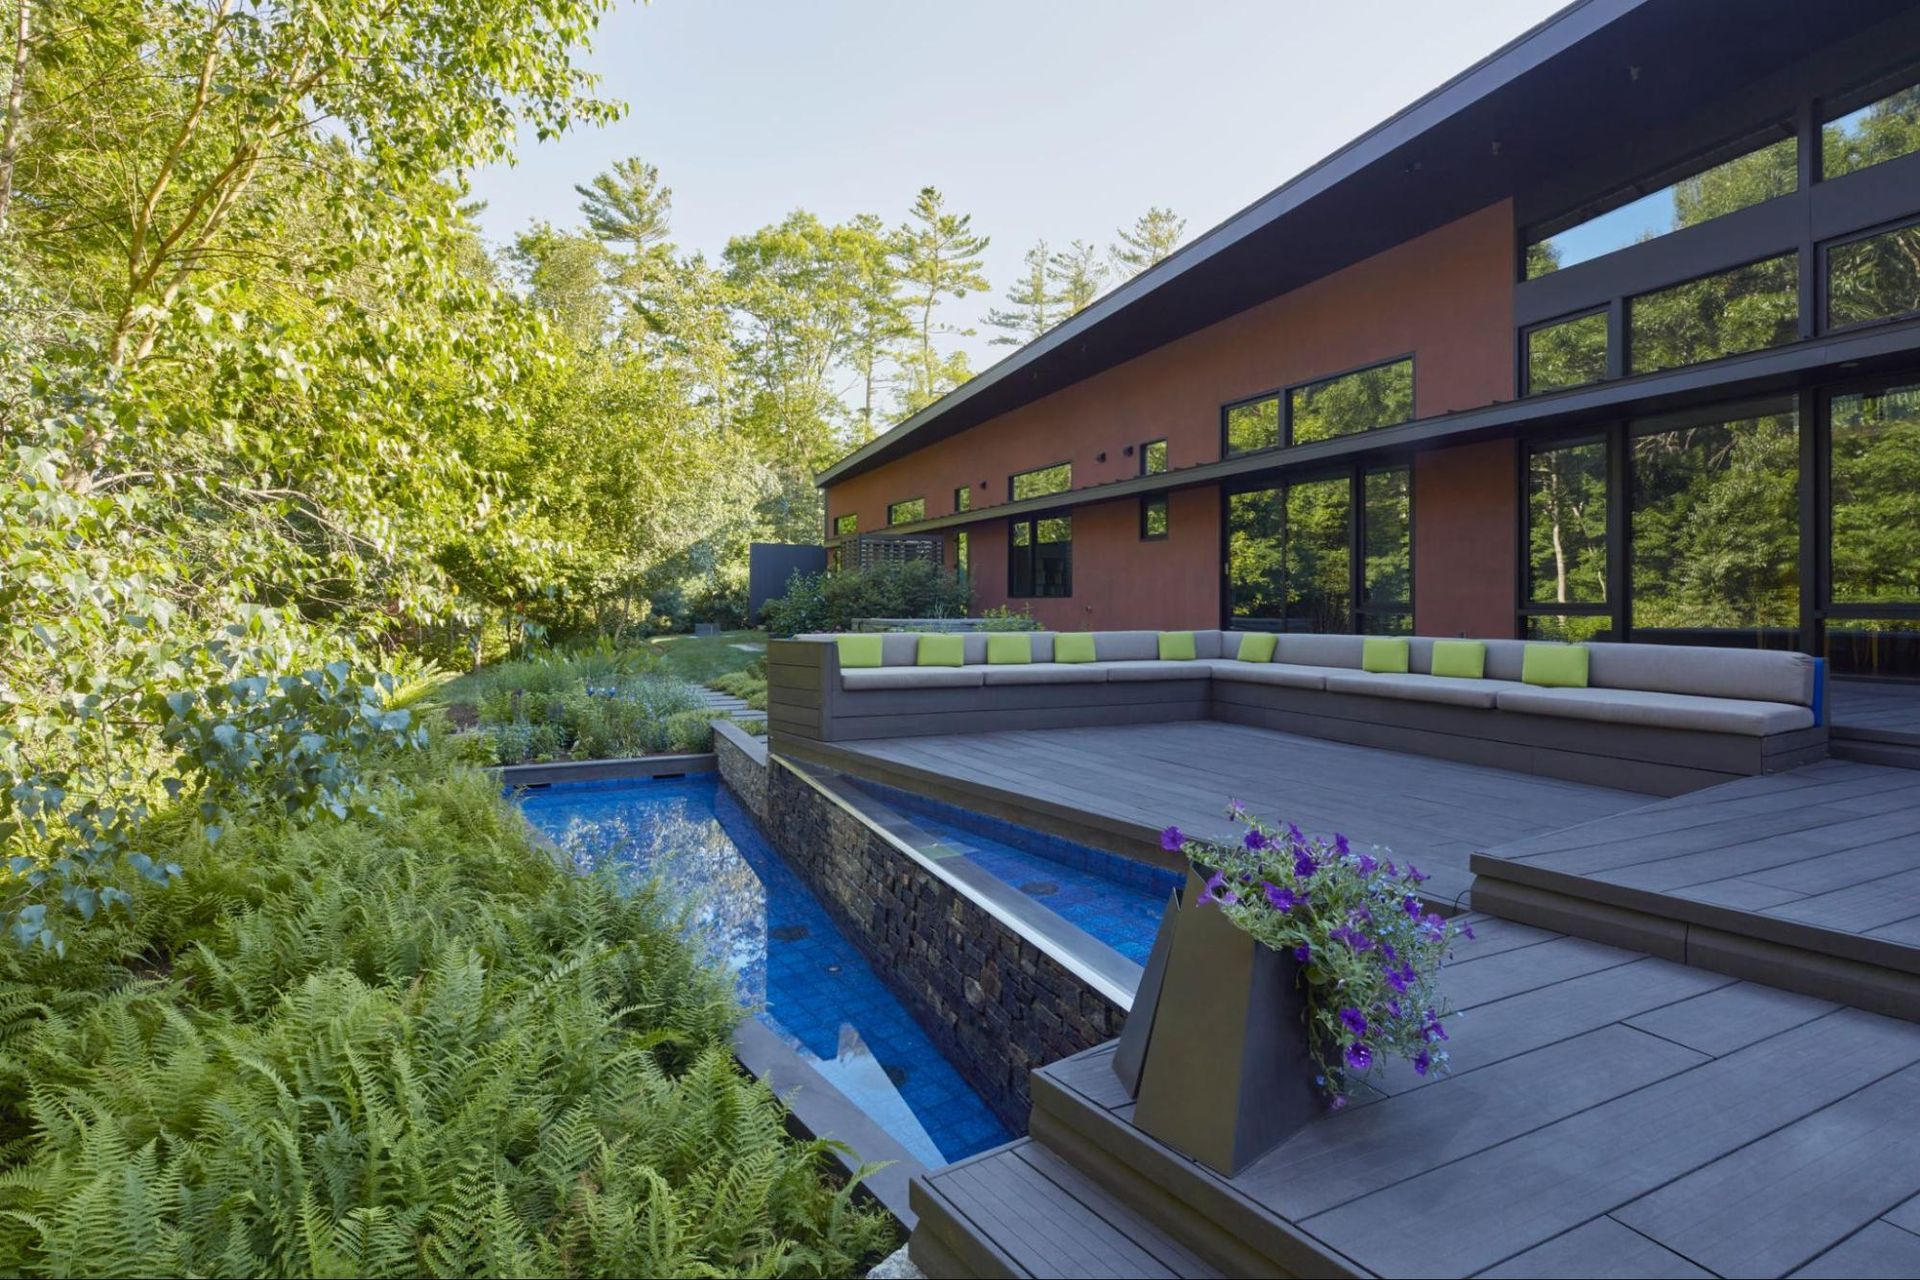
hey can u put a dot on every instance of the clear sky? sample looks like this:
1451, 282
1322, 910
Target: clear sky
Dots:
1054, 118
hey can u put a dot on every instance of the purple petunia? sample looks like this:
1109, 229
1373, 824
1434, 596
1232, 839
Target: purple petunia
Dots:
1303, 864
1367, 866
1400, 979
1282, 899
1416, 875
1354, 1021
1421, 1063
1173, 840
1303, 953
1412, 907
1217, 890
1352, 937
1255, 839
1340, 845
1359, 1056
1466, 930
1338, 1102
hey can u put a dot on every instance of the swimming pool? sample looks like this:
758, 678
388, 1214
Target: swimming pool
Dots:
794, 968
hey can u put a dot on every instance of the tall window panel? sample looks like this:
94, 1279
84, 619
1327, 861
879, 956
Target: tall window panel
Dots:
1256, 555
1716, 532
846, 526
963, 498
1873, 549
1745, 309
1040, 557
1364, 400
1290, 558
1386, 533
1566, 572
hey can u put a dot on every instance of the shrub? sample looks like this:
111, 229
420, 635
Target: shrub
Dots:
832, 601
394, 1045
687, 732
585, 706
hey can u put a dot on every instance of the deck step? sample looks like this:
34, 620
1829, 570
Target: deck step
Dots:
1021, 1211
1897, 755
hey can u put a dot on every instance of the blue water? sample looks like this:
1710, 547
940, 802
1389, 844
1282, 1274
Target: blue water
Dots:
795, 969
1115, 899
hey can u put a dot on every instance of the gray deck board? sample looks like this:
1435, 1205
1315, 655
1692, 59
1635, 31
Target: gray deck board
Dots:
1778, 1203
1731, 1017
1547, 1182
1601, 1248
1142, 778
1872, 709
1877, 1249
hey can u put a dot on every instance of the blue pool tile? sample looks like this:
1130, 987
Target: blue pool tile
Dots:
793, 966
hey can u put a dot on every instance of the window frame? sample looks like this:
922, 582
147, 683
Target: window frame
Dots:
1165, 460
962, 499
1032, 520
895, 506
1147, 501
1793, 255
1284, 394
1014, 477
1527, 331
850, 519
1823, 278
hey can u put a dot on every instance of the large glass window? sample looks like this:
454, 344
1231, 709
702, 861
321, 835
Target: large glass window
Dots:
1566, 531
1040, 557
1733, 184
962, 559
1874, 475
1289, 556
1878, 131
1360, 401
1874, 278
1153, 457
906, 512
845, 525
1253, 425
1386, 533
963, 498
1041, 481
1567, 353
1745, 309
1715, 553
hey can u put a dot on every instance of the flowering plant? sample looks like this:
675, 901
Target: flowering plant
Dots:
1368, 950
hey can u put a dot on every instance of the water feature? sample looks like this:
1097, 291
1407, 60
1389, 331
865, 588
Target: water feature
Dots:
795, 969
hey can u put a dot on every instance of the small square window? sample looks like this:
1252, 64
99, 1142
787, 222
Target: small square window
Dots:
1153, 518
1153, 458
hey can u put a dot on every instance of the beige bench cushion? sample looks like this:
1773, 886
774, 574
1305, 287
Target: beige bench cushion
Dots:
1126, 646
1045, 673
1759, 675
1306, 650
1660, 710
860, 678
1444, 689
1285, 674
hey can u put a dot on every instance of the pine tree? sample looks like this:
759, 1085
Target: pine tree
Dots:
1034, 308
1154, 234
938, 258
627, 205
1077, 276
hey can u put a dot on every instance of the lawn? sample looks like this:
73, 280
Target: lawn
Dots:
702, 658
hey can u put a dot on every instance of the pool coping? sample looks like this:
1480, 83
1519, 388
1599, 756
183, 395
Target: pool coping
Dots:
820, 1110
539, 775
1103, 969
755, 747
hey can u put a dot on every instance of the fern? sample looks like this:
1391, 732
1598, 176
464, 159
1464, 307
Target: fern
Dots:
396, 1046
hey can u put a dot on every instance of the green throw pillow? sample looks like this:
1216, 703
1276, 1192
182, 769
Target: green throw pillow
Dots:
859, 651
1257, 646
1176, 646
1073, 646
1466, 659
942, 651
1555, 666
1385, 654
1004, 647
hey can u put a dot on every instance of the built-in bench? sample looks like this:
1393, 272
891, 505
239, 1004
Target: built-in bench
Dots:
1656, 718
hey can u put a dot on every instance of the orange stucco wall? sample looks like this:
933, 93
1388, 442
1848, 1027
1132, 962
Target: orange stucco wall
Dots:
1447, 297
1465, 540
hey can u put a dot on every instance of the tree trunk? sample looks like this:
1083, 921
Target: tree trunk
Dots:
16, 102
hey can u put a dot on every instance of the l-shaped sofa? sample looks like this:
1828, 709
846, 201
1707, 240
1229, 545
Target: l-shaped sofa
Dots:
1654, 718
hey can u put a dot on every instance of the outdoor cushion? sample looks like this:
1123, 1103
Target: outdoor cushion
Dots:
1414, 688
1506, 659
1172, 669
1386, 654
1009, 647
1207, 644
1073, 646
976, 646
941, 651
911, 678
1555, 666
1176, 646
1320, 651
1759, 674
1659, 710
858, 651
1461, 659
1256, 646
1046, 673
900, 649
1127, 646
1285, 674
1042, 645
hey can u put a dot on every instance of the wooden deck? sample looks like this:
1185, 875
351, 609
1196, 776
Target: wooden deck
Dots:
1118, 787
1808, 879
1875, 721
1610, 1113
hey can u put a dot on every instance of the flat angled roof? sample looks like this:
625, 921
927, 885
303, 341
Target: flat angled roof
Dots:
1583, 79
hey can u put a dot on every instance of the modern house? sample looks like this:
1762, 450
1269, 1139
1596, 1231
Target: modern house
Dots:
1614, 335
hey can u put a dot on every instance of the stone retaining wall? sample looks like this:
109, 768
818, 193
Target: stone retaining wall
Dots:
742, 761
995, 1004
